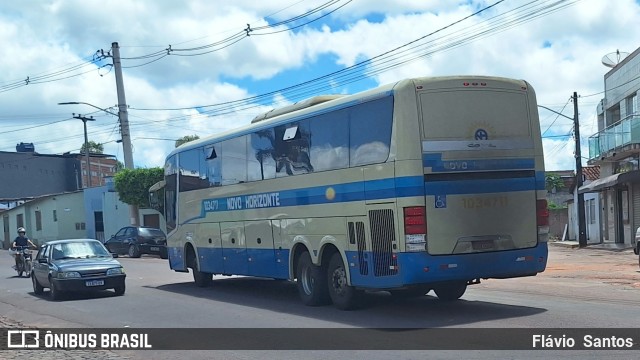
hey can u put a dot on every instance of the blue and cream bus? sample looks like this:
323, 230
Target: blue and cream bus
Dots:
424, 184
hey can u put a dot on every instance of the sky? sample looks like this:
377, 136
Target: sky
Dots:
199, 67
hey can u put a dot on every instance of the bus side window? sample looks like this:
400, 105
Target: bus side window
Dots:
191, 177
261, 163
234, 160
213, 164
292, 149
370, 132
330, 141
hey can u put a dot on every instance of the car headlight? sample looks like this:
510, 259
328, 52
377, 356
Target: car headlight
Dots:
115, 271
68, 274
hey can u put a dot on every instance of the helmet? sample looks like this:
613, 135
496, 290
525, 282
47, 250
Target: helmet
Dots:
21, 229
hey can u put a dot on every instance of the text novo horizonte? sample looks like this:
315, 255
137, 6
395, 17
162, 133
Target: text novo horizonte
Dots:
255, 201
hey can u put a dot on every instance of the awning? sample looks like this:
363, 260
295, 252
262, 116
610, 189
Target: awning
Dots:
609, 181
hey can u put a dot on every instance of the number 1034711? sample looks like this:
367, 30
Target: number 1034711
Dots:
485, 202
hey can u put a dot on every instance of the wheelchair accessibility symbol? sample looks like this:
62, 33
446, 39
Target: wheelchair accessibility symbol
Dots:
441, 201
481, 134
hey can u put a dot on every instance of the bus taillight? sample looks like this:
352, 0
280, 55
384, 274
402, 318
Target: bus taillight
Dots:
542, 220
415, 228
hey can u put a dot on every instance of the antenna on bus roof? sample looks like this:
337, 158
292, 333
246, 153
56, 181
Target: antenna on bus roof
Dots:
296, 106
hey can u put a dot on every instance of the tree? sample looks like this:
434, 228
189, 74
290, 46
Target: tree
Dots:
94, 147
133, 185
186, 139
553, 182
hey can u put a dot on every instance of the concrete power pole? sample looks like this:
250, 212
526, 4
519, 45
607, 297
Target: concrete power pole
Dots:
582, 228
124, 123
86, 145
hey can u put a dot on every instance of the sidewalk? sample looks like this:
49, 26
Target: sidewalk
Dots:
602, 246
609, 263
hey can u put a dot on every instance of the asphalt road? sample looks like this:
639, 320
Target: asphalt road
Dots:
582, 288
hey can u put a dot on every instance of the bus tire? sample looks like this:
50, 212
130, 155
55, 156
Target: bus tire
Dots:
201, 279
450, 291
344, 296
311, 282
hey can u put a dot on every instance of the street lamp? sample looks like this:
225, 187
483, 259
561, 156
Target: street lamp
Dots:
126, 139
126, 142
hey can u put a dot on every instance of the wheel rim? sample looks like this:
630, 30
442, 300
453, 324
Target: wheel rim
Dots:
339, 281
132, 250
307, 280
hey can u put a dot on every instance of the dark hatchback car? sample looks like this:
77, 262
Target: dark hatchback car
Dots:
76, 265
135, 241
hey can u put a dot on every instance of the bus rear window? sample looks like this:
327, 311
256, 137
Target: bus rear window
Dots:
475, 114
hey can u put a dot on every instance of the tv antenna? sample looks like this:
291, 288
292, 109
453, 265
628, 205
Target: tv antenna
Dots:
614, 58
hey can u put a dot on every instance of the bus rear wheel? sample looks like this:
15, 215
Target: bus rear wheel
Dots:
344, 296
311, 282
450, 291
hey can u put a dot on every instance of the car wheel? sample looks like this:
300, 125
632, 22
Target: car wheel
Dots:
37, 288
450, 291
311, 282
134, 252
163, 255
53, 291
344, 296
119, 290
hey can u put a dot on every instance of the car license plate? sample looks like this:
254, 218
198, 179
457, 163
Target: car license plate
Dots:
155, 248
95, 283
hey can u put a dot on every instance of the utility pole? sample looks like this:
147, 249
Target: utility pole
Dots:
582, 229
86, 144
123, 115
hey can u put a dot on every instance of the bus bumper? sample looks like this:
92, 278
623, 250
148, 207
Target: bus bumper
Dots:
421, 268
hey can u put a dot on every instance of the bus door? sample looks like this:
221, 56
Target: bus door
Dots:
260, 248
480, 160
234, 249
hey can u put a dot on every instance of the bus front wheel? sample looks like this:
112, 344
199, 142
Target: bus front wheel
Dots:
311, 282
344, 296
202, 279
450, 291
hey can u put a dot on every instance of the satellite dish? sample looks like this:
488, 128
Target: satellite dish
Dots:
614, 58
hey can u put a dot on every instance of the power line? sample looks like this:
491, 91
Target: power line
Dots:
382, 62
385, 61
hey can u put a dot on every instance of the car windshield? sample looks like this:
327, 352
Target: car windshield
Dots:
77, 250
151, 232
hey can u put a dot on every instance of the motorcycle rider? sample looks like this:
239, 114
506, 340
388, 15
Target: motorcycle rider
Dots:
21, 240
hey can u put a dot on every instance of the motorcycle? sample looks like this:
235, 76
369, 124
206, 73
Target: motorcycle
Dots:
24, 260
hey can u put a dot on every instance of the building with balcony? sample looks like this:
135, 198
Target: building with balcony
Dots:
616, 148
